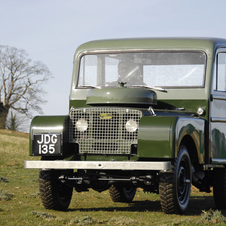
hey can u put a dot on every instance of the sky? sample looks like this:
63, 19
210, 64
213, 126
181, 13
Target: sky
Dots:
51, 30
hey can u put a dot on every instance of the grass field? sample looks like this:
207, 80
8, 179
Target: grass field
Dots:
20, 203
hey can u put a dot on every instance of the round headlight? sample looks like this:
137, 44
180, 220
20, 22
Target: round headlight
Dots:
131, 126
81, 125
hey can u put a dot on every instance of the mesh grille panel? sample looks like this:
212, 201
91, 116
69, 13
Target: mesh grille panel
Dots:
106, 132
105, 128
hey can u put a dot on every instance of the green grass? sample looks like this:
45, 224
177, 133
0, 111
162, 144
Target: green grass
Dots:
20, 203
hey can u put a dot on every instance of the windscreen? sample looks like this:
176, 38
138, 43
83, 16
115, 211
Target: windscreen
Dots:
156, 69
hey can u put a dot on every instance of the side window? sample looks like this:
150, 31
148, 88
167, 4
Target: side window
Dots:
221, 71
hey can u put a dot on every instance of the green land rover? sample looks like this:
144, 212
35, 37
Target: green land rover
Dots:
147, 113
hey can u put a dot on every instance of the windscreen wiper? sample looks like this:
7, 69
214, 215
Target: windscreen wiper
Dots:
151, 87
89, 86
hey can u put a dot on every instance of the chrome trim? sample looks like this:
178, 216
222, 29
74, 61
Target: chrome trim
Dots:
210, 166
219, 161
218, 119
98, 165
52, 128
217, 97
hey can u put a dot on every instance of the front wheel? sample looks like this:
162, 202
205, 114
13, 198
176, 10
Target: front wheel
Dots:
120, 193
175, 185
54, 193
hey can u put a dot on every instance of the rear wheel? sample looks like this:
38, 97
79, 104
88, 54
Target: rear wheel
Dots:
175, 185
120, 193
219, 188
54, 194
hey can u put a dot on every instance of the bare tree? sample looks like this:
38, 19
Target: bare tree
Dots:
16, 122
20, 83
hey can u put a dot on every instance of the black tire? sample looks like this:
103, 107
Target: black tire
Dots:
54, 194
120, 193
219, 188
175, 185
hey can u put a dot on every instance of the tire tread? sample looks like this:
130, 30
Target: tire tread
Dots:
117, 194
167, 187
48, 191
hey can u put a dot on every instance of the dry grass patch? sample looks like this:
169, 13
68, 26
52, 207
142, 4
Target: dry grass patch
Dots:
14, 133
15, 145
13, 150
5, 195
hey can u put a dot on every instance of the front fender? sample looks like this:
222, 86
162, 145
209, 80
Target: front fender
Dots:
161, 136
46, 126
156, 137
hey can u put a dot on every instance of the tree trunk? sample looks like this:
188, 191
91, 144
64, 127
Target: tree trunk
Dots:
3, 115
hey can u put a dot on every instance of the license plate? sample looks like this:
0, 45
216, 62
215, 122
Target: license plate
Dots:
47, 144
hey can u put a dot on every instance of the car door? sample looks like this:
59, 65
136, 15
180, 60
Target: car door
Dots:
218, 110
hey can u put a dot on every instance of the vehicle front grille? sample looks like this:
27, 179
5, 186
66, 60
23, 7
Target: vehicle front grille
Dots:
106, 128
106, 132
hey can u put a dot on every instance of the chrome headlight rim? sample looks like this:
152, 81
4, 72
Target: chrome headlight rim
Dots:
131, 126
81, 125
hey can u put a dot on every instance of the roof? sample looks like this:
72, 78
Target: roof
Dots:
209, 45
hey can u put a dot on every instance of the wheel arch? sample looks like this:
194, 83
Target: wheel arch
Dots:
190, 133
189, 143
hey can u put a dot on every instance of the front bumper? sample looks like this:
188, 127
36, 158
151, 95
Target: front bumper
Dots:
98, 165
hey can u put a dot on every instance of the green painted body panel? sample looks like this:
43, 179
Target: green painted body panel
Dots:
78, 104
218, 127
187, 105
122, 95
206, 45
47, 125
194, 128
160, 136
219, 142
155, 137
